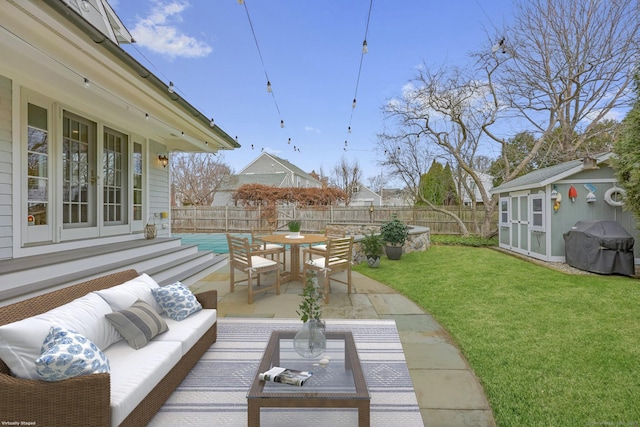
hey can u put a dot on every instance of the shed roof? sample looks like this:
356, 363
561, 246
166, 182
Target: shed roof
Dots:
546, 176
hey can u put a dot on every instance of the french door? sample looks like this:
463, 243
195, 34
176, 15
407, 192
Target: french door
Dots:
82, 179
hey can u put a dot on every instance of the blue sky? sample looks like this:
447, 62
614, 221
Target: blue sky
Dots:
311, 53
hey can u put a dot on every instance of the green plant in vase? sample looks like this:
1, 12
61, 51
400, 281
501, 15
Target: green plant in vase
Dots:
294, 227
310, 341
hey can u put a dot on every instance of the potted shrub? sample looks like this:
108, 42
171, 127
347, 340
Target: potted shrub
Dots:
394, 232
294, 228
372, 248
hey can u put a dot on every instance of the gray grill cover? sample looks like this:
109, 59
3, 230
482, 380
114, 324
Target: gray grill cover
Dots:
602, 247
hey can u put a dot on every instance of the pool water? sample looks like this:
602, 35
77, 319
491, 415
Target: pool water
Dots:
215, 242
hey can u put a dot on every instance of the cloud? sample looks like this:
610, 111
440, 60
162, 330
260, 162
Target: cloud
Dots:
311, 129
159, 32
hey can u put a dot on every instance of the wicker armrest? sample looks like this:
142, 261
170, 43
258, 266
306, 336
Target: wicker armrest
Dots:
208, 299
80, 401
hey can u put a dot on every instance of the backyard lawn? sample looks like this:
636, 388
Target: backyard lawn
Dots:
550, 349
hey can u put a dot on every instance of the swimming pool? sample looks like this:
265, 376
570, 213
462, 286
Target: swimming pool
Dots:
216, 242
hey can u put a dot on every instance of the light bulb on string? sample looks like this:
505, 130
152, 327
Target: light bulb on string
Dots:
146, 116
86, 82
349, 129
252, 146
365, 46
353, 104
289, 141
212, 123
171, 89
269, 86
281, 123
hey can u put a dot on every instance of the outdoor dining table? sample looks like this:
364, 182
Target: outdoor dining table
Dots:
294, 242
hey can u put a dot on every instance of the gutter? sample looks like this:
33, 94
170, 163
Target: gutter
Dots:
99, 38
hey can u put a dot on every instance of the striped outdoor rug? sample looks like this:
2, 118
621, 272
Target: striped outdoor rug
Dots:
214, 393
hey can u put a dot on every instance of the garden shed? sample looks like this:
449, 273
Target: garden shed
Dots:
536, 209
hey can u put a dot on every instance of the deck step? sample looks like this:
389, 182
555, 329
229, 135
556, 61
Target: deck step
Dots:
164, 259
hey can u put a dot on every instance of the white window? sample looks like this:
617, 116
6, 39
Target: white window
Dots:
504, 212
537, 212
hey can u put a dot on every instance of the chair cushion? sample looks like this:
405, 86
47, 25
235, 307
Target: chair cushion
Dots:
260, 262
67, 354
320, 247
176, 300
138, 324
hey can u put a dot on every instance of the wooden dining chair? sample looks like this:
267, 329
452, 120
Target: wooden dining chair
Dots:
272, 250
242, 258
337, 258
330, 233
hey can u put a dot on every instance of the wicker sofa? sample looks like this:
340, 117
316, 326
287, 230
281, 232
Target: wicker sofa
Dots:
86, 400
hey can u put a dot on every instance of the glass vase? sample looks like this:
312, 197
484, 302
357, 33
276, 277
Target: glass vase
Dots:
310, 341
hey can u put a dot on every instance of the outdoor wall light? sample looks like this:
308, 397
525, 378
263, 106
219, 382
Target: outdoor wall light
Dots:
163, 159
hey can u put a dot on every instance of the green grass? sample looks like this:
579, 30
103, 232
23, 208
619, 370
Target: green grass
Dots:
550, 349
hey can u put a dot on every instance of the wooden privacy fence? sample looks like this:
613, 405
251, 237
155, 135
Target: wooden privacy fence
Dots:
209, 219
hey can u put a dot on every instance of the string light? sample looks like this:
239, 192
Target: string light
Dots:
281, 123
289, 141
269, 87
212, 123
365, 50
171, 89
86, 82
146, 116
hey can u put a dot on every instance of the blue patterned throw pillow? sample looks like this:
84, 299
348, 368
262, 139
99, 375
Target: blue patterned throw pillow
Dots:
176, 300
67, 354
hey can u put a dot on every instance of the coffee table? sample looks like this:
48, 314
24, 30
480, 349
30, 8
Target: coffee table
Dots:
340, 384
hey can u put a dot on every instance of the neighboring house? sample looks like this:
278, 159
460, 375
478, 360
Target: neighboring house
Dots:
396, 197
487, 183
363, 196
266, 169
84, 130
528, 222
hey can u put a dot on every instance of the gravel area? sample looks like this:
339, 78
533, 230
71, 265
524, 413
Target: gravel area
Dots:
560, 266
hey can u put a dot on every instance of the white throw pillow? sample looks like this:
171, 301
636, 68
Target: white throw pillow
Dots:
67, 354
125, 295
21, 342
176, 300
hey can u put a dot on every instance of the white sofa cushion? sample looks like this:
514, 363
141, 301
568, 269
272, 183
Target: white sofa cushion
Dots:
189, 330
123, 296
66, 354
21, 342
177, 301
134, 373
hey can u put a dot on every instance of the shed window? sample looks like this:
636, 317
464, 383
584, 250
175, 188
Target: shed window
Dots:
504, 211
537, 212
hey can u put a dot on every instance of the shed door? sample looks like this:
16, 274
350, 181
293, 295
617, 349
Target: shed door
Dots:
520, 223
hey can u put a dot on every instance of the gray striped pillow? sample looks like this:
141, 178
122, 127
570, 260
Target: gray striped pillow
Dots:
138, 323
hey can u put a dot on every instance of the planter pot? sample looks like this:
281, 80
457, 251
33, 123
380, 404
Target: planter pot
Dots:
393, 252
373, 261
294, 234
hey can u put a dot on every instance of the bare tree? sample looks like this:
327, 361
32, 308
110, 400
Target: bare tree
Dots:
442, 112
347, 177
562, 67
565, 65
196, 177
